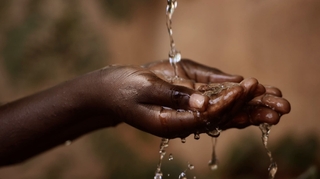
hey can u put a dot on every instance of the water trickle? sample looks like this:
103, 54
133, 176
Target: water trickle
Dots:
265, 129
183, 140
213, 163
174, 54
164, 144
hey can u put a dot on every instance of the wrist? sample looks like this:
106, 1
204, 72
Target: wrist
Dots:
93, 95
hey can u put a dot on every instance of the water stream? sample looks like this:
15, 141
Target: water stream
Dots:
174, 54
265, 129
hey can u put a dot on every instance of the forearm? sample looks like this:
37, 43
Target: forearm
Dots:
39, 122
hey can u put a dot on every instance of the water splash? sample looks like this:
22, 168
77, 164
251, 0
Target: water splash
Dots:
265, 129
163, 145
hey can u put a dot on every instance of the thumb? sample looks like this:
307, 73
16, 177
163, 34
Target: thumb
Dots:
165, 94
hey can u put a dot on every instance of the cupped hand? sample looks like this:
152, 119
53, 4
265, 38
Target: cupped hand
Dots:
143, 98
151, 99
246, 103
265, 108
237, 105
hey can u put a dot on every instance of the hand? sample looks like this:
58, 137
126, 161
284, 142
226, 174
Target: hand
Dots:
248, 107
141, 98
266, 108
146, 99
254, 104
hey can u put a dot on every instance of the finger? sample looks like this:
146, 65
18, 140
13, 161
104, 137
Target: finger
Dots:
204, 74
240, 121
252, 88
165, 94
264, 115
275, 103
273, 90
253, 116
222, 106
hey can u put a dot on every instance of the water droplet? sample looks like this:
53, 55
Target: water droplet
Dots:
68, 142
198, 114
174, 57
183, 140
272, 169
170, 157
158, 176
183, 175
181, 110
190, 166
197, 136
213, 164
214, 133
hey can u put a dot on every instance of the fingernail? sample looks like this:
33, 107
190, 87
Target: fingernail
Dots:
196, 101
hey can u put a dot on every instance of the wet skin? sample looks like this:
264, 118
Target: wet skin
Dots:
144, 97
244, 104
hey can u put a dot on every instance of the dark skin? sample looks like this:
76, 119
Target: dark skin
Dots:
143, 97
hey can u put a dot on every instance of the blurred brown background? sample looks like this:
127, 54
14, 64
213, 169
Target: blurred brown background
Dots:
45, 42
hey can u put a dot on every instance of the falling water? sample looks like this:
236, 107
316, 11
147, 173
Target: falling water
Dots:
174, 54
163, 145
213, 163
265, 129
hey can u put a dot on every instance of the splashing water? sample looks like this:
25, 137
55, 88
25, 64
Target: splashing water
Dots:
174, 54
163, 145
265, 129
